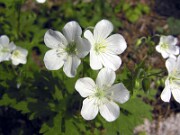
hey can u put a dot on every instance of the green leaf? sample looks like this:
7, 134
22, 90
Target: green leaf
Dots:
146, 84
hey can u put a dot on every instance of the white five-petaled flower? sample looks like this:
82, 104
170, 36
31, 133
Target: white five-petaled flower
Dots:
167, 46
172, 83
19, 56
100, 96
105, 48
5, 48
66, 49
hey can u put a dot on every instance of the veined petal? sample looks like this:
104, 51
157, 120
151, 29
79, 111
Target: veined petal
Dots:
89, 36
53, 61
85, 86
71, 64
106, 77
95, 61
89, 109
119, 93
176, 94
83, 47
102, 30
110, 111
54, 39
4, 41
111, 61
72, 30
173, 50
166, 94
170, 64
116, 44
169, 40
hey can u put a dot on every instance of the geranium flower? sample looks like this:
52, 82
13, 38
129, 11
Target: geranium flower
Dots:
41, 1
19, 56
66, 49
167, 46
105, 48
5, 48
172, 83
100, 96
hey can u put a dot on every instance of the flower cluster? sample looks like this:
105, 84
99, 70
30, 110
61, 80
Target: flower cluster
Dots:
9, 51
169, 49
69, 47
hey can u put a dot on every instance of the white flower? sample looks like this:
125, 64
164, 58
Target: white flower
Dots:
172, 83
19, 56
66, 49
41, 1
167, 46
5, 48
105, 48
100, 96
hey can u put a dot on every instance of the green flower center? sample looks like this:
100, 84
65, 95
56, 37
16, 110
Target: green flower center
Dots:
164, 46
100, 47
16, 53
99, 93
71, 48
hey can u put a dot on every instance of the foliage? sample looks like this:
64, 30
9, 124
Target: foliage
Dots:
46, 100
132, 12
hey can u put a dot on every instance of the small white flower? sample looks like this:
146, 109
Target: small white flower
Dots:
100, 96
172, 83
5, 48
66, 49
105, 48
167, 46
19, 56
41, 1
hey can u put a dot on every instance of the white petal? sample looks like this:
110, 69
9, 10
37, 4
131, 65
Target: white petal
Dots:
110, 111
83, 47
4, 40
102, 30
52, 61
4, 56
54, 39
111, 61
116, 44
70, 66
89, 109
71, 31
21, 58
95, 61
119, 93
166, 94
173, 50
170, 64
164, 54
170, 40
158, 48
178, 62
85, 86
12, 46
89, 36
106, 77
176, 94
